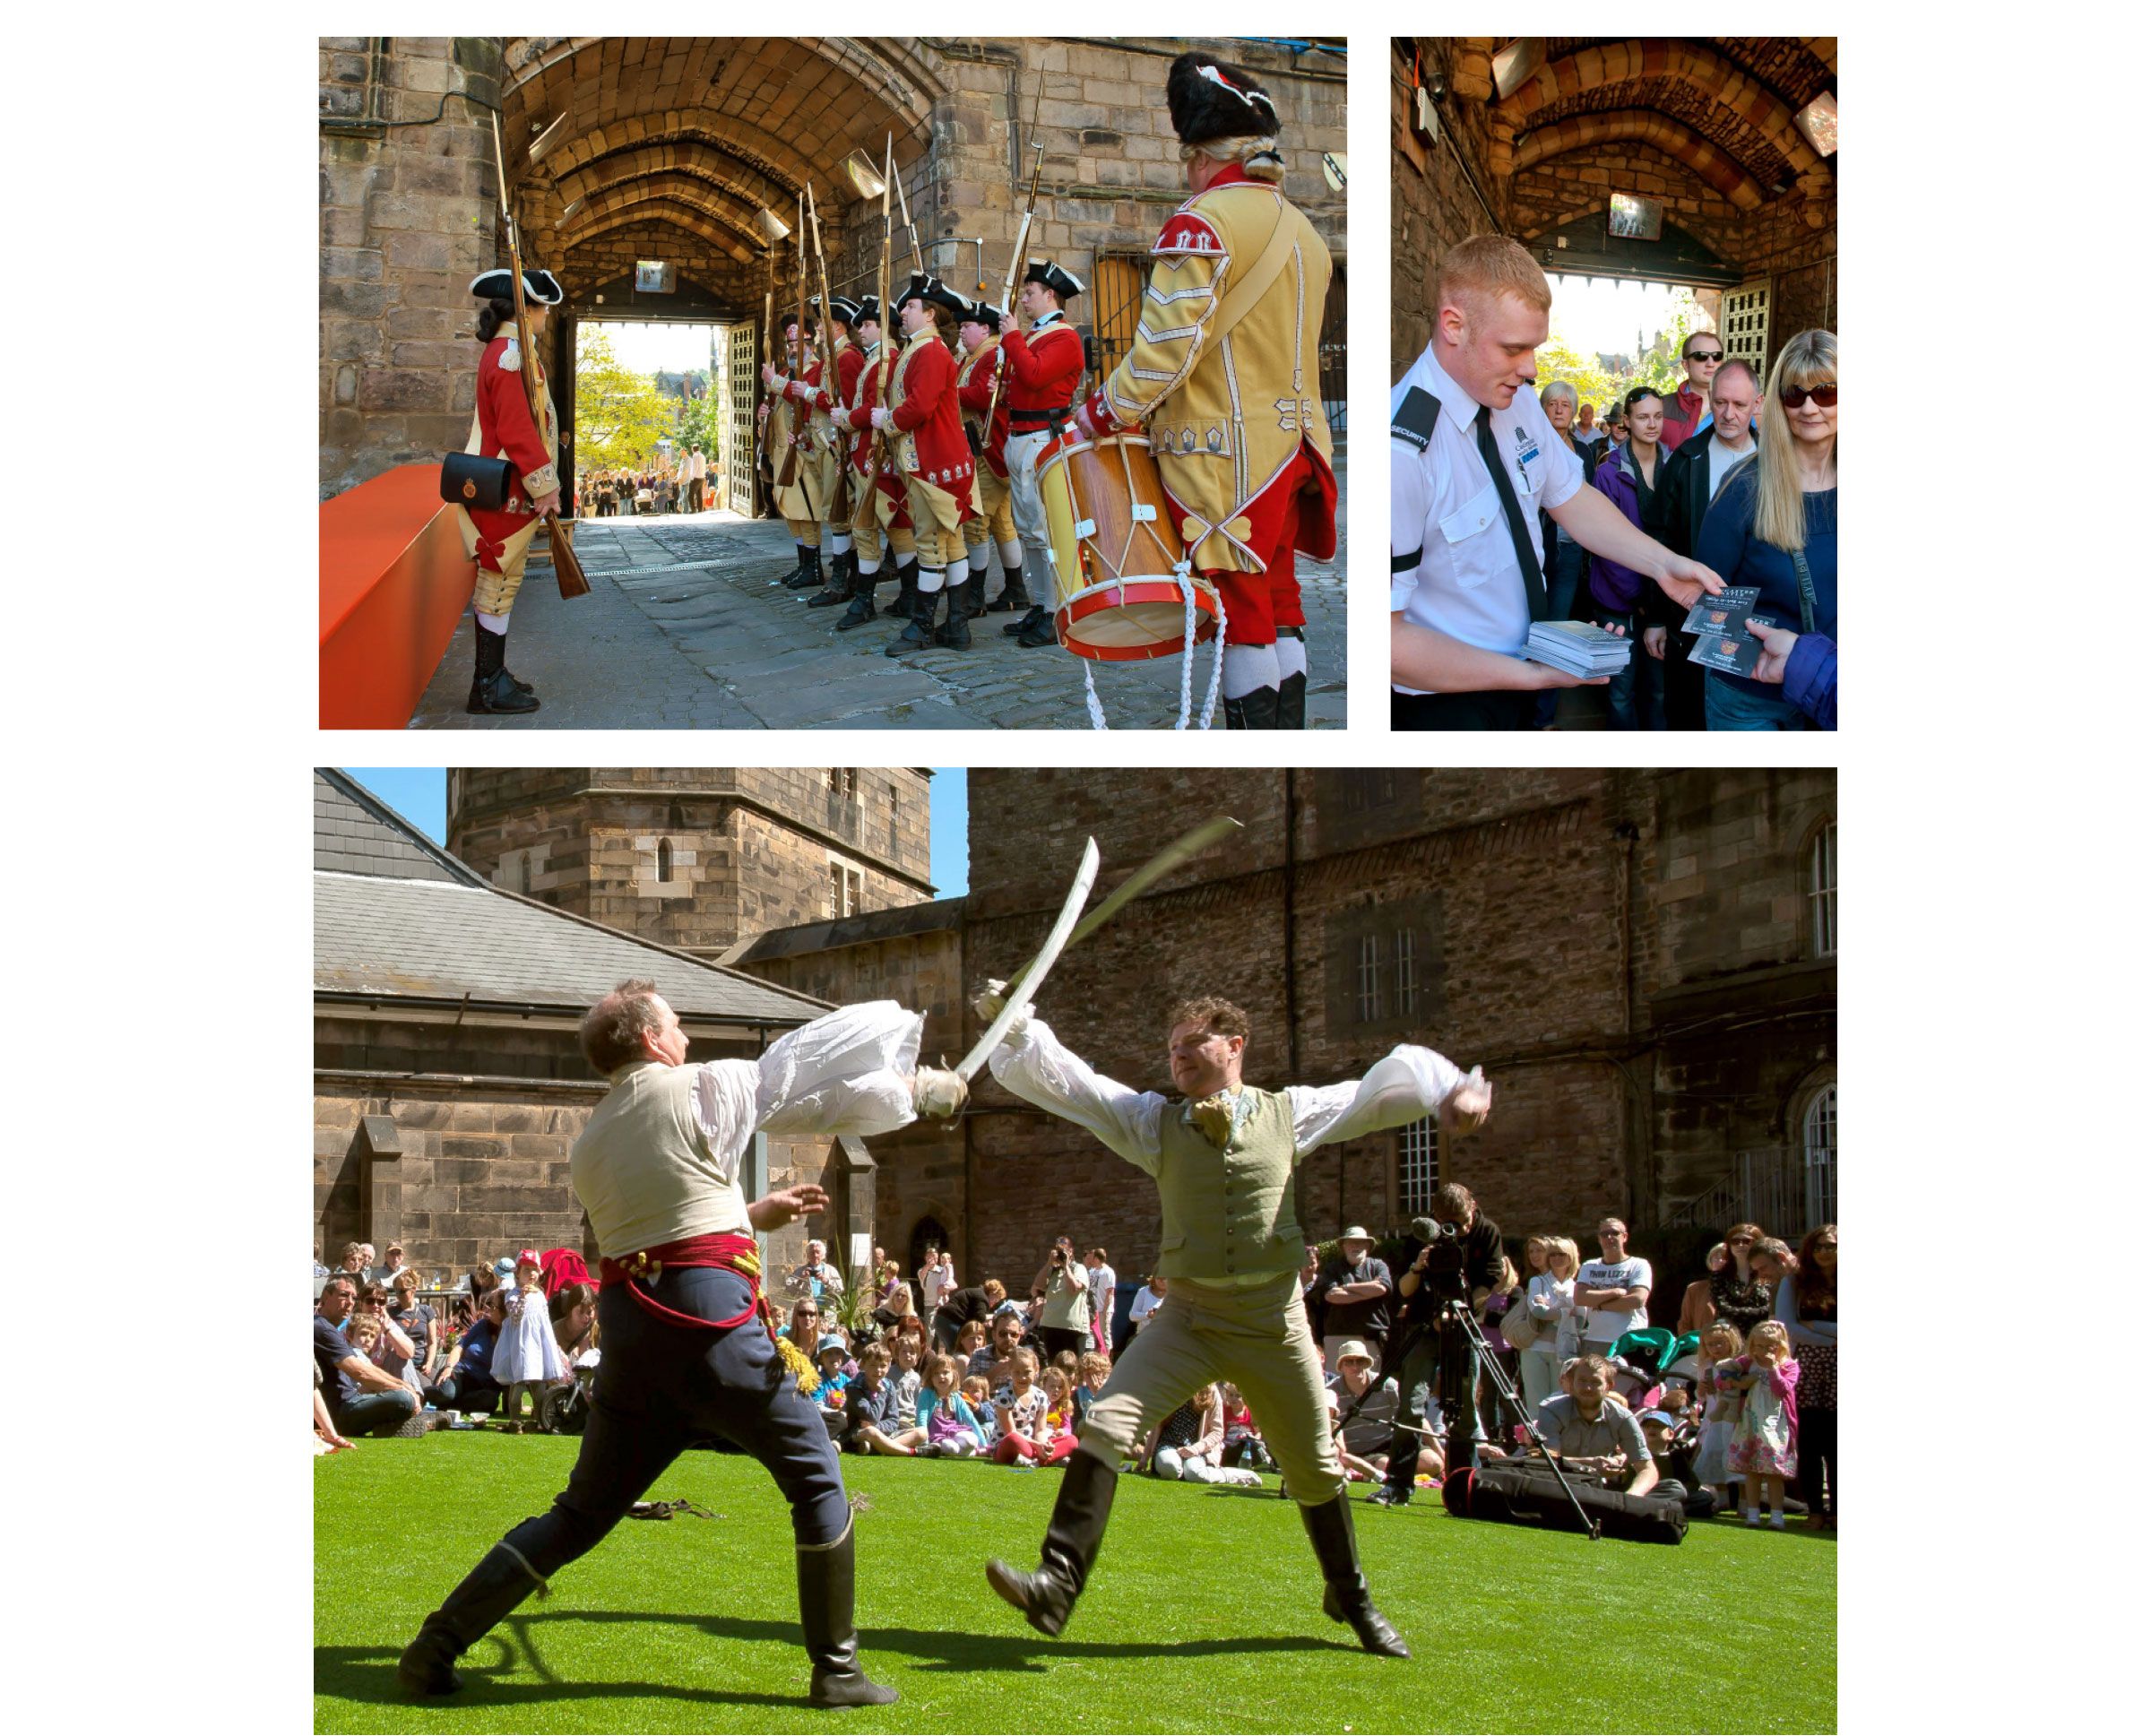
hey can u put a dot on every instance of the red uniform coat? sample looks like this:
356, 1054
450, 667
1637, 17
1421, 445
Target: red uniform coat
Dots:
974, 387
923, 397
1043, 370
505, 428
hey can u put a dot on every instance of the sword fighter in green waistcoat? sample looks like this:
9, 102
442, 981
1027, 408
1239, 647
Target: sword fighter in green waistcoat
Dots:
1223, 1153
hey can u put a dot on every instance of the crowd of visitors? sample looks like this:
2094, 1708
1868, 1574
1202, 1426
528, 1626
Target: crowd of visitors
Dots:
683, 484
1726, 1410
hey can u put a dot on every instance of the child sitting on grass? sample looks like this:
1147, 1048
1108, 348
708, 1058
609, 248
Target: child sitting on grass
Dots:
1060, 1412
874, 1421
1093, 1367
1024, 1437
829, 1357
904, 1373
1243, 1436
1767, 1433
952, 1428
977, 1393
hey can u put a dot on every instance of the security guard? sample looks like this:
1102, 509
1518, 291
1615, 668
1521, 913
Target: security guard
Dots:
1044, 367
1222, 1156
991, 528
1226, 371
1473, 463
501, 428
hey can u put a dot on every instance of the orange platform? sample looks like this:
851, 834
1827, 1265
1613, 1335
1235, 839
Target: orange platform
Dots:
394, 581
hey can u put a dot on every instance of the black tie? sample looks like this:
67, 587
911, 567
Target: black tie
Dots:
1535, 580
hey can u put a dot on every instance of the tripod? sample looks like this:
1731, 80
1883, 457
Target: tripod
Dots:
1458, 1328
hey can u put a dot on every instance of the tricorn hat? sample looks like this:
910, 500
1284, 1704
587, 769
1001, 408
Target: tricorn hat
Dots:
926, 287
787, 317
843, 307
1212, 99
499, 285
1063, 282
866, 307
984, 313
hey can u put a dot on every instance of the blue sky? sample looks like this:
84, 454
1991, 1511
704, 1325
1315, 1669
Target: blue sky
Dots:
421, 795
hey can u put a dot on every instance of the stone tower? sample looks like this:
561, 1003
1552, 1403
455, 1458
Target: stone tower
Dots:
696, 859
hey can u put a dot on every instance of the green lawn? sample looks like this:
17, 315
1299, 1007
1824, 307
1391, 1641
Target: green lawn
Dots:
1204, 1613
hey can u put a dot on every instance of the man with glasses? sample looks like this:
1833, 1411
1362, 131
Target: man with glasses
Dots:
1614, 1288
1701, 355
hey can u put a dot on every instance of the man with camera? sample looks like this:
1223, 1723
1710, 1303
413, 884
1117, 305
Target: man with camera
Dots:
1457, 1259
1222, 1154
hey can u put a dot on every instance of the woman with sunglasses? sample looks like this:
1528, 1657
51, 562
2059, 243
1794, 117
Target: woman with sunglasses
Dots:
1807, 1305
1774, 525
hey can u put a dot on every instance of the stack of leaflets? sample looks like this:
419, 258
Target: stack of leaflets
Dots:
1578, 648
1721, 625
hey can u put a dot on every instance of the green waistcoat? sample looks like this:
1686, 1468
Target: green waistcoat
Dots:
1228, 1214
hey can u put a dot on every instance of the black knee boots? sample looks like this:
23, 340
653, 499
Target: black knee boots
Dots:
1012, 594
955, 633
1072, 1535
495, 1587
1253, 711
842, 567
827, 1578
1345, 1596
809, 572
919, 632
493, 690
862, 599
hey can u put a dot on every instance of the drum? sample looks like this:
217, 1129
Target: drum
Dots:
1113, 547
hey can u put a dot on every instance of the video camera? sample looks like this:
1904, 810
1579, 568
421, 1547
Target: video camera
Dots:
1444, 1275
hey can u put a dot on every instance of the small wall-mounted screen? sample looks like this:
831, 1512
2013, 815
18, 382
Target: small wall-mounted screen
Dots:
1634, 218
652, 277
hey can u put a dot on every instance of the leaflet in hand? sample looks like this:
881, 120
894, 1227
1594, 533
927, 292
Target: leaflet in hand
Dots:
1578, 648
1721, 625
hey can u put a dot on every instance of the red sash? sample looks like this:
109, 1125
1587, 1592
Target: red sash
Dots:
732, 1253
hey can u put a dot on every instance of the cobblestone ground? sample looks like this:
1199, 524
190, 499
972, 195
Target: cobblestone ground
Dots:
688, 626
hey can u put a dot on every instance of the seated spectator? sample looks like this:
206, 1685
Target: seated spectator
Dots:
1071, 1368
806, 1328
1186, 1445
894, 1296
391, 1265
903, 1370
952, 1428
1061, 1412
969, 1342
829, 1360
1021, 1413
361, 1398
415, 1321
959, 1307
372, 1332
1244, 1445
875, 1419
1092, 1368
321, 1272
1365, 1446
1592, 1433
466, 1380
997, 1362
978, 1395
574, 1311
352, 1262
325, 1438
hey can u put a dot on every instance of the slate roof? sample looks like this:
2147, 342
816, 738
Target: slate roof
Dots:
413, 923
852, 930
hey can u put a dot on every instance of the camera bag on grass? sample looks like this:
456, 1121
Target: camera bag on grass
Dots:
1517, 1495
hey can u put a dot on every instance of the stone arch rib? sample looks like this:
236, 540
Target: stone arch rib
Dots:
1714, 164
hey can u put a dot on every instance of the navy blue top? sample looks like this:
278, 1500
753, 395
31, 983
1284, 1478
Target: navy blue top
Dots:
1730, 547
478, 1351
330, 1347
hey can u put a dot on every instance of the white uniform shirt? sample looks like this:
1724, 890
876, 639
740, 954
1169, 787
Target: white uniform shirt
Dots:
1445, 512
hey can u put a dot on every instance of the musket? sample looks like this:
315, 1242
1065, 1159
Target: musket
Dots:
881, 300
791, 436
763, 462
840, 511
918, 258
1015, 269
567, 571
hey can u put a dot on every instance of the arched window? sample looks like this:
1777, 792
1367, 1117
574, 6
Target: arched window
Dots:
664, 860
1818, 1141
522, 872
1822, 896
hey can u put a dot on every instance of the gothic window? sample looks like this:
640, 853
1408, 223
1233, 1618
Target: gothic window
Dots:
1819, 1141
664, 860
522, 872
1822, 890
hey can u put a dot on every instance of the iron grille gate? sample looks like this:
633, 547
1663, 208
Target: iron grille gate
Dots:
1744, 326
738, 351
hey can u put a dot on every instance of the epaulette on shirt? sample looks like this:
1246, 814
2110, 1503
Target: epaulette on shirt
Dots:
1188, 231
1415, 418
511, 359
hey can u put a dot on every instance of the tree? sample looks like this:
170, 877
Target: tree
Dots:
1657, 364
620, 416
699, 425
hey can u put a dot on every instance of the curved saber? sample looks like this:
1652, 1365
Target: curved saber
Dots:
1188, 845
1034, 973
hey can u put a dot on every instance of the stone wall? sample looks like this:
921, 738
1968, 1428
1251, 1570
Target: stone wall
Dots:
408, 198
743, 849
1434, 204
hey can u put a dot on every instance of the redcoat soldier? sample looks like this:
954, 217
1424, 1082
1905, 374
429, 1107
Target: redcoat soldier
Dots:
879, 513
1045, 372
991, 527
1225, 371
502, 427
813, 475
825, 398
926, 430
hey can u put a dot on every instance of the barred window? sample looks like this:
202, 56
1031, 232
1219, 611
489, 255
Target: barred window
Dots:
1822, 892
1819, 1137
1371, 977
1417, 1168
1407, 976
845, 885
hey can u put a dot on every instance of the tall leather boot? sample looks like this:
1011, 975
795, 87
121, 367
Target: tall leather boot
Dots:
907, 585
827, 1578
955, 633
1254, 711
493, 692
862, 600
1292, 692
798, 565
920, 631
495, 1587
1345, 1597
839, 588
809, 572
1012, 595
1028, 623
1038, 628
1072, 1535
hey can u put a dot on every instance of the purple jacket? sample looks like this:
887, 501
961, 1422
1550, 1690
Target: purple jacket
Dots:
1614, 587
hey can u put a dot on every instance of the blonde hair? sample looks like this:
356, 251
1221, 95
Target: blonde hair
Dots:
1769, 1332
1719, 1330
1780, 507
1491, 265
1565, 1247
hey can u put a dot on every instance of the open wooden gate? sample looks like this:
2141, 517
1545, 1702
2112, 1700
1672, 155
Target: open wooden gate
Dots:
737, 353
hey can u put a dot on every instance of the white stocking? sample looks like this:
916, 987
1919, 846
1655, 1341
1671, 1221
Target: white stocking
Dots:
1250, 668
